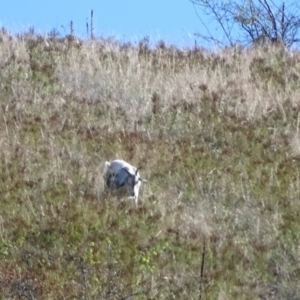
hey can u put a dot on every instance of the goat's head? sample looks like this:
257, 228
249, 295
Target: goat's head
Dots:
134, 180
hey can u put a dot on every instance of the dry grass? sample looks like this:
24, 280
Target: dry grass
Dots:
217, 135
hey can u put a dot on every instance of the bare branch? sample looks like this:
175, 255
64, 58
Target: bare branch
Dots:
261, 20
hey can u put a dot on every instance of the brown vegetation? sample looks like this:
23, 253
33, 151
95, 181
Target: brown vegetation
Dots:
217, 135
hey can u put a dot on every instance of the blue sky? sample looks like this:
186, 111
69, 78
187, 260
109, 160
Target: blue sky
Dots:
174, 21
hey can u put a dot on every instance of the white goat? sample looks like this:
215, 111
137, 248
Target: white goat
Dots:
122, 178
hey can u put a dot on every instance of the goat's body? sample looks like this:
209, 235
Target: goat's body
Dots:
123, 179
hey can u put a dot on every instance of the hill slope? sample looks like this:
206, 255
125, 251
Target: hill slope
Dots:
217, 136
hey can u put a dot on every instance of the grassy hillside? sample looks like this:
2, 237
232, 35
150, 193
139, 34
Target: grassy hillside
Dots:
217, 136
